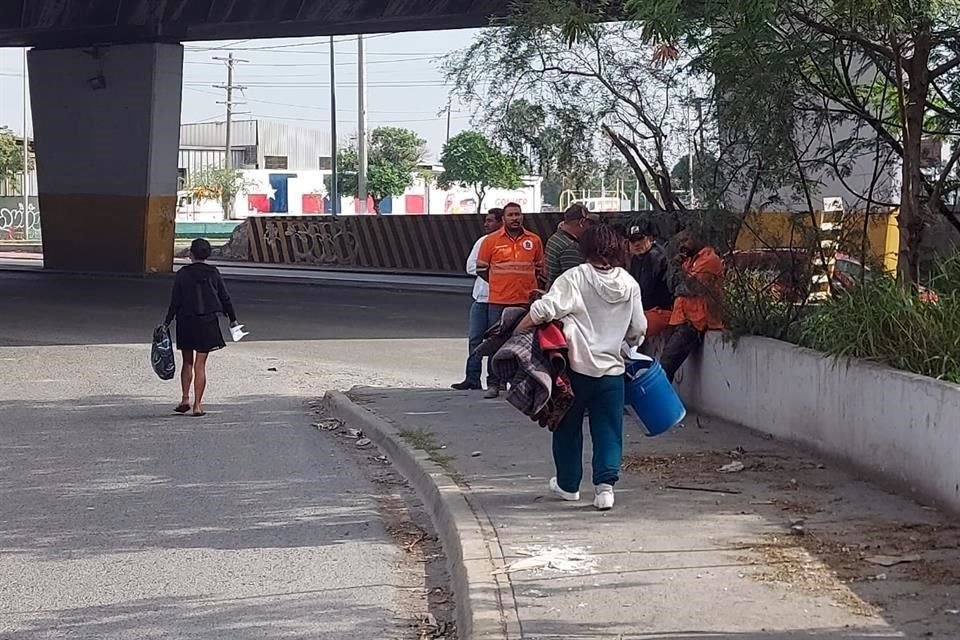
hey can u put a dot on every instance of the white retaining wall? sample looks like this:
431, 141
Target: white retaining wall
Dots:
902, 426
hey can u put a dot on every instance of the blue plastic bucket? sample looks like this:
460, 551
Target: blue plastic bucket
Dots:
652, 397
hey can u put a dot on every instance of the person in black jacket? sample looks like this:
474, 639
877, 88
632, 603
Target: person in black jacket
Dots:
651, 269
199, 296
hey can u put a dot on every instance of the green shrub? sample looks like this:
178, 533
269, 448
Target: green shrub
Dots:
753, 307
946, 277
883, 323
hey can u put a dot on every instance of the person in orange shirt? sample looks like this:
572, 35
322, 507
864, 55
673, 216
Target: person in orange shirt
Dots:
697, 307
511, 261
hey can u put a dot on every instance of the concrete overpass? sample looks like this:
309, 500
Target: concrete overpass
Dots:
105, 84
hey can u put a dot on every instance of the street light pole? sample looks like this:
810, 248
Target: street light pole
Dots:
228, 161
25, 189
334, 190
362, 126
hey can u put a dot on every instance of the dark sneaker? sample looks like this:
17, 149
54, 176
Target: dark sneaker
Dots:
466, 386
492, 393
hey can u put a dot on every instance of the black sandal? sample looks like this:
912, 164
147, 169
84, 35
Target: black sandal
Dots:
182, 408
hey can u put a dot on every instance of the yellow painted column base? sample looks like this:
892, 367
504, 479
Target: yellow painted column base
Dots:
108, 233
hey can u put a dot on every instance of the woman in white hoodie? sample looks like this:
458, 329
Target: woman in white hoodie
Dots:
599, 305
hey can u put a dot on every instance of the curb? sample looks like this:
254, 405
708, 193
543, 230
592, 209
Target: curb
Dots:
411, 287
470, 560
458, 290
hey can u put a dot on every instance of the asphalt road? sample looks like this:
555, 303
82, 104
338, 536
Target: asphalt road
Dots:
120, 520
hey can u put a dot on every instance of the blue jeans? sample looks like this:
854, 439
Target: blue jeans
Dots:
478, 326
603, 398
494, 313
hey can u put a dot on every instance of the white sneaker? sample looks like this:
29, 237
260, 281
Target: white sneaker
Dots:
564, 495
604, 498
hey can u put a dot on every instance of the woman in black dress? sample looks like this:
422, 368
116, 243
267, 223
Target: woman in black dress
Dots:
199, 296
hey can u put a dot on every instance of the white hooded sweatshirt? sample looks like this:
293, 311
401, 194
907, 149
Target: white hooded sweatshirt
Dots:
599, 310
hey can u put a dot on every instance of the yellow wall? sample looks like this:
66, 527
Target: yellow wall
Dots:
779, 229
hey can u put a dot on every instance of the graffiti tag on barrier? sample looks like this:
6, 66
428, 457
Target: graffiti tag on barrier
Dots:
15, 224
319, 242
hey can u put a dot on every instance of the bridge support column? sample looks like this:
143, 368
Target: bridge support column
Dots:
107, 126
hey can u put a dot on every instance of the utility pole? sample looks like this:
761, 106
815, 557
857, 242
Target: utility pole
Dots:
703, 145
228, 146
362, 126
448, 122
26, 155
334, 189
690, 153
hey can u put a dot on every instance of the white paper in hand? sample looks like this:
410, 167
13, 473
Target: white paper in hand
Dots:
238, 333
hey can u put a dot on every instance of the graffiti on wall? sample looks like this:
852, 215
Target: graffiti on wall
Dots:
314, 241
17, 224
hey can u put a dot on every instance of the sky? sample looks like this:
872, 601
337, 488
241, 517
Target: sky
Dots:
289, 80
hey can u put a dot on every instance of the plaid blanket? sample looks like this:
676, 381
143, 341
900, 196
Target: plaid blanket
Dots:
539, 387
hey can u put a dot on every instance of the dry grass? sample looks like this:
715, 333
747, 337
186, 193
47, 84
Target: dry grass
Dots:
707, 463
681, 464
795, 506
825, 562
812, 566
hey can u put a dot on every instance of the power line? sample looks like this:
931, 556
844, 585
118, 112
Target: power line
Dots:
282, 47
227, 46
295, 85
309, 106
313, 74
326, 53
315, 107
203, 120
321, 64
378, 120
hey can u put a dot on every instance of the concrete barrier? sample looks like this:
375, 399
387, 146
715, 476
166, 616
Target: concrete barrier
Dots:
903, 427
401, 243
209, 230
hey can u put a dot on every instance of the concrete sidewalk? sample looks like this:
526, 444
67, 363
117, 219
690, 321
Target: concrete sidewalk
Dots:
788, 548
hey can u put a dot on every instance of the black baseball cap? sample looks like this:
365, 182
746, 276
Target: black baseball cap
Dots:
638, 232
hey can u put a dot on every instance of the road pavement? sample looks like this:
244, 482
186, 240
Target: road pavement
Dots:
255, 272
121, 520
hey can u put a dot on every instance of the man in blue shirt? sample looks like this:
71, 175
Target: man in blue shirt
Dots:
479, 309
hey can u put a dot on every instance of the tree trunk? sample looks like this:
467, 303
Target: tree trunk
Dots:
912, 196
226, 203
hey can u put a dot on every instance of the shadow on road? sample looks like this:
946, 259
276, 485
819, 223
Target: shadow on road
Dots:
282, 615
115, 474
47, 310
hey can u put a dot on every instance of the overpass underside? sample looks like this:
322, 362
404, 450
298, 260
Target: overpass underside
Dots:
105, 84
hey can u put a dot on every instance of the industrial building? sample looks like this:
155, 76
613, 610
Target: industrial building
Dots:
255, 144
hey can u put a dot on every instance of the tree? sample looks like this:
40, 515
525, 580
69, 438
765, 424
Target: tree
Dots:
471, 160
889, 67
549, 141
220, 184
704, 166
607, 86
11, 156
392, 158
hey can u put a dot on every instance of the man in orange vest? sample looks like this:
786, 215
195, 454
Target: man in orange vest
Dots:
699, 294
511, 261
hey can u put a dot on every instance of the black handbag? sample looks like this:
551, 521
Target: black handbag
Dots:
162, 358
